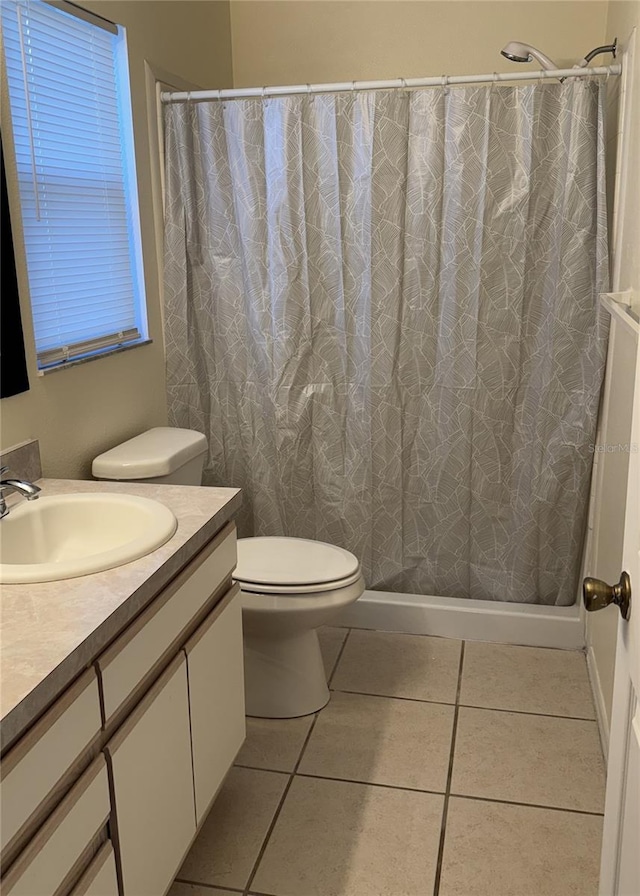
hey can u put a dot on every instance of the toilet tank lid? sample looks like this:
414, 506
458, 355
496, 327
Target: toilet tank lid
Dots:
156, 452
276, 560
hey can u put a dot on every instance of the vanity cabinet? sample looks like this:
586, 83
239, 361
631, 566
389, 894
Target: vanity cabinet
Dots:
105, 793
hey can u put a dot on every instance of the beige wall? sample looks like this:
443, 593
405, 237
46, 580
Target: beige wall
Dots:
295, 41
606, 560
78, 412
82, 410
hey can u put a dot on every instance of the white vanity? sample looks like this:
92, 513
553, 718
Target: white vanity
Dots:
122, 707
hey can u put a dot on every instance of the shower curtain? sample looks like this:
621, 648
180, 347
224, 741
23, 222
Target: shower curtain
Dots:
381, 310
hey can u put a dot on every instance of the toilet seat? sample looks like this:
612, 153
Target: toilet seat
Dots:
296, 590
293, 566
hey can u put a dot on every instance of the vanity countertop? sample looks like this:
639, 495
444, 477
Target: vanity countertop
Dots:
52, 631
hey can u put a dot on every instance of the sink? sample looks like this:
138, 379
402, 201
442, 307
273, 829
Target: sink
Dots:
61, 537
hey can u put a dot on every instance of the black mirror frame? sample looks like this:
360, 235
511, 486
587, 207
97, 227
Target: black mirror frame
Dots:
14, 378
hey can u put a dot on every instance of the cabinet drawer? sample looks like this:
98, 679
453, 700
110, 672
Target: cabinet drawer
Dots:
216, 697
100, 877
152, 784
57, 850
158, 631
38, 770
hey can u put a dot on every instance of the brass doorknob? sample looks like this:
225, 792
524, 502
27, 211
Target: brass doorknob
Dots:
597, 594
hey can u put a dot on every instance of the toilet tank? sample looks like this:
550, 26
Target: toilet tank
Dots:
164, 455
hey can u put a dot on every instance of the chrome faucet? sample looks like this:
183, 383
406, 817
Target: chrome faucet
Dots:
28, 489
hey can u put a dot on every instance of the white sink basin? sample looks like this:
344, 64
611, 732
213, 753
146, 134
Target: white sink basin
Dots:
62, 537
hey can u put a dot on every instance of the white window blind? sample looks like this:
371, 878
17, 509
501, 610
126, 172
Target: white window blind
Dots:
71, 115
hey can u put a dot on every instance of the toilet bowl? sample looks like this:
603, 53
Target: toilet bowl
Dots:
289, 586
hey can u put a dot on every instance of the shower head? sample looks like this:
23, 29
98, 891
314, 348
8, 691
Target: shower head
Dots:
519, 52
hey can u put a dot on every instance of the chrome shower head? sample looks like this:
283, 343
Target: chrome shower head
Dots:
519, 52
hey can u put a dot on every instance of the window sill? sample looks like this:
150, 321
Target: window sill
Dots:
65, 365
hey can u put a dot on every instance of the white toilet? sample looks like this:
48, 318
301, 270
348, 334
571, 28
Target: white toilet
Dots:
289, 586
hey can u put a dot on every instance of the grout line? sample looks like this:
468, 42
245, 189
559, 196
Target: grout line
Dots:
369, 783
262, 768
445, 808
267, 836
464, 796
386, 631
390, 631
304, 745
392, 697
460, 672
213, 887
292, 774
522, 712
490, 799
338, 658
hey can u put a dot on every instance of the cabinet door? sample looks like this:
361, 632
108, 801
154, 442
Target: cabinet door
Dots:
216, 697
152, 785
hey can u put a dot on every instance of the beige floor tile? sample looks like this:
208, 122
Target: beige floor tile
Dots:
274, 744
398, 665
492, 849
331, 640
527, 679
182, 889
227, 847
528, 759
380, 740
334, 838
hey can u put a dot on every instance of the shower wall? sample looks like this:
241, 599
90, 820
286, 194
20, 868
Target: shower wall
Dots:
283, 42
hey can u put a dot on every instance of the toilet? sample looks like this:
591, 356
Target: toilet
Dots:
289, 586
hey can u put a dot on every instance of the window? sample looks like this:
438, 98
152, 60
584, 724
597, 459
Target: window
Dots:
71, 114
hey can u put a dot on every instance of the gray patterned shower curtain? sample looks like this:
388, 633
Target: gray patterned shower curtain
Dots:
381, 311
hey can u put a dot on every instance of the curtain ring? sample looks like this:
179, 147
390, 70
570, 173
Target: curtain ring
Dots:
445, 85
309, 90
403, 83
353, 87
264, 91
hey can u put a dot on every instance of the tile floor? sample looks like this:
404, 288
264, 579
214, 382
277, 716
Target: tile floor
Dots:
438, 768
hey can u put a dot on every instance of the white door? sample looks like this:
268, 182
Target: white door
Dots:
620, 871
620, 868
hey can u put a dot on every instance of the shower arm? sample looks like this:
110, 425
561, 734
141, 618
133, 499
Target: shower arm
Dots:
608, 48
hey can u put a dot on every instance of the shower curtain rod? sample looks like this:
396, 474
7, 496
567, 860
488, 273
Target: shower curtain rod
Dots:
401, 83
